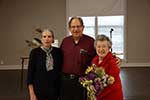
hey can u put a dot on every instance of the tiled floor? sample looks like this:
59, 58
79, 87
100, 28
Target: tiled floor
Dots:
135, 81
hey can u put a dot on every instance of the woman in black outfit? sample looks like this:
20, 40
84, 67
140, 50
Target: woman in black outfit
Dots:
43, 78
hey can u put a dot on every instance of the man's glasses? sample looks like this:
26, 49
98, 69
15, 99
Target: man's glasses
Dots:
78, 26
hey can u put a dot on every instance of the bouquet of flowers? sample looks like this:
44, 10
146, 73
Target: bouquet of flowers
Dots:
95, 81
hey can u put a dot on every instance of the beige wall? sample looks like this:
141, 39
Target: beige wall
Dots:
149, 30
138, 31
18, 20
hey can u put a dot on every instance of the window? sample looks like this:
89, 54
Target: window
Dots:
89, 26
112, 26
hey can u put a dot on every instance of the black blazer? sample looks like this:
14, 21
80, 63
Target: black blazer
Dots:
45, 82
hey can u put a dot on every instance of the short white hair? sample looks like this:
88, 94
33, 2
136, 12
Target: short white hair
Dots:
103, 37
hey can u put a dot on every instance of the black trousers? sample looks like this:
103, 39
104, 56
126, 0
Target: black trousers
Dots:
49, 95
71, 89
48, 98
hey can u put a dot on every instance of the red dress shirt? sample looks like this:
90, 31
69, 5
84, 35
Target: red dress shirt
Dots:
76, 57
114, 91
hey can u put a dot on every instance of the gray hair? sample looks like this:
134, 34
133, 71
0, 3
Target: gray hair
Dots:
103, 37
48, 30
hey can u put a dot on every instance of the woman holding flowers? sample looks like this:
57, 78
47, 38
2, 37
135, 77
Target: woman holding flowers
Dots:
105, 59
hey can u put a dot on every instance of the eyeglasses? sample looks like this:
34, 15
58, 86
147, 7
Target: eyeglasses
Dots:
78, 26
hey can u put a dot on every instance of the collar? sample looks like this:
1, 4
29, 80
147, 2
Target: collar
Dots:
47, 50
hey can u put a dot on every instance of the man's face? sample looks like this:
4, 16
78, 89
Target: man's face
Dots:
76, 28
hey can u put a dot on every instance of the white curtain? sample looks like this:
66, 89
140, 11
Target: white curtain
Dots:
95, 7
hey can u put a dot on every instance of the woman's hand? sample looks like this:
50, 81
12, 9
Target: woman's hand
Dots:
31, 92
33, 97
118, 62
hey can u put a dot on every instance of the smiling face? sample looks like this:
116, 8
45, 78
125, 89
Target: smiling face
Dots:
76, 28
102, 48
47, 39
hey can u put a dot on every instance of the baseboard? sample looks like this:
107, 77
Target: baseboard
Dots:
12, 67
135, 65
19, 67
